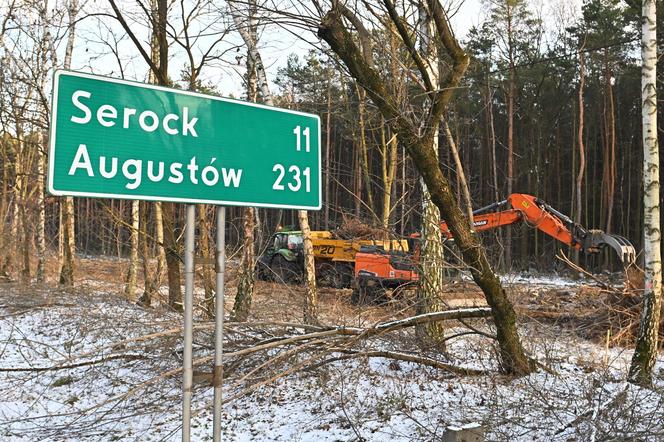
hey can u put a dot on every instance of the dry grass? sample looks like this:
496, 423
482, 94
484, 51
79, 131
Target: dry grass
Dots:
589, 310
599, 314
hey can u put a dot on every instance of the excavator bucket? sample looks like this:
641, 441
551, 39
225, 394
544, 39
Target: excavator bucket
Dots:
598, 239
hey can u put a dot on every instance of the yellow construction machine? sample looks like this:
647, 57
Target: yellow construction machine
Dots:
283, 259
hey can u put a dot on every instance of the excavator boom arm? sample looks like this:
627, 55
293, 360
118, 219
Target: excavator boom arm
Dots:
536, 213
488, 221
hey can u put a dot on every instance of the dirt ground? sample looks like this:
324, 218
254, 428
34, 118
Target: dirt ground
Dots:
536, 297
581, 304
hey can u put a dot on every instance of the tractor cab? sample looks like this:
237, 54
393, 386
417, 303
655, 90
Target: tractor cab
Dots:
283, 257
287, 240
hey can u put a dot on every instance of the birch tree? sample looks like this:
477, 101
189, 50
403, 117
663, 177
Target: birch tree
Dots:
311, 293
160, 70
247, 25
42, 78
67, 224
431, 279
132, 271
647, 342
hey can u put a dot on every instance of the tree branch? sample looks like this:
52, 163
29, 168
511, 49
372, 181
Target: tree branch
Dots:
158, 72
410, 46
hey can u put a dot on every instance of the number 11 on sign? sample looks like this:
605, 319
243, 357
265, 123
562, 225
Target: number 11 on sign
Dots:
298, 134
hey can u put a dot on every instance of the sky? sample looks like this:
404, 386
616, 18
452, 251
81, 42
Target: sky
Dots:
95, 43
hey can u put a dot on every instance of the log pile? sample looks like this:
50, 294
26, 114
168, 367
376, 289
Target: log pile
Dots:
353, 228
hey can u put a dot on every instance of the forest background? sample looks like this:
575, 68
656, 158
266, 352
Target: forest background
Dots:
516, 121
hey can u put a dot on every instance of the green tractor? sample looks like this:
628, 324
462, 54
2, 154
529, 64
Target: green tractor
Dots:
283, 260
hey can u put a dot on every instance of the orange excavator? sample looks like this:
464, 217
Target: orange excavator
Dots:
376, 270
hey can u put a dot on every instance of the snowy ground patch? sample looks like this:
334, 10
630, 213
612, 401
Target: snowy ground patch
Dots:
72, 369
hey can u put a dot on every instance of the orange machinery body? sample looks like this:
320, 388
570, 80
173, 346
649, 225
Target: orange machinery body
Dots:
524, 208
386, 266
518, 207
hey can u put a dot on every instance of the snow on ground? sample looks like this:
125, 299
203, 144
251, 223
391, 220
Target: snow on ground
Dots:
539, 280
82, 378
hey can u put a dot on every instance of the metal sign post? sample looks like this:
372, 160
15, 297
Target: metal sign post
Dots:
219, 321
187, 358
113, 138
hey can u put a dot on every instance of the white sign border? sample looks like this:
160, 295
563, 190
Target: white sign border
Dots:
52, 138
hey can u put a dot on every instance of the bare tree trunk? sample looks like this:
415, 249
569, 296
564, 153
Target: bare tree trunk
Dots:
22, 204
13, 254
149, 290
582, 149
132, 271
172, 257
41, 209
245, 288
494, 164
204, 228
510, 126
67, 233
328, 169
647, 342
492, 129
46, 46
311, 293
25, 249
460, 173
159, 236
389, 172
510, 162
609, 163
4, 212
402, 228
357, 181
68, 242
364, 150
612, 161
432, 275
22, 233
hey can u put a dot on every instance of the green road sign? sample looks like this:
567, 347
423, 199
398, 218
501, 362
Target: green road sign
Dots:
113, 138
